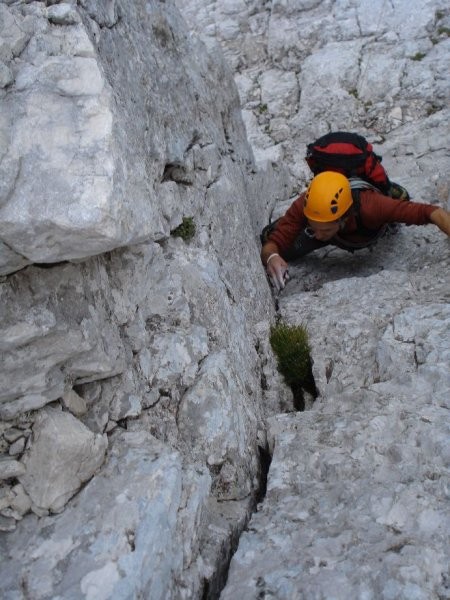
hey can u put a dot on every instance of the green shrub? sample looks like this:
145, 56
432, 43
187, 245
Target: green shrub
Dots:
291, 347
418, 56
186, 230
433, 109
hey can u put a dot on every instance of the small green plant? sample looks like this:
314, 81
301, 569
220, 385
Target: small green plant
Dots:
444, 31
291, 347
186, 230
262, 108
433, 109
418, 56
354, 92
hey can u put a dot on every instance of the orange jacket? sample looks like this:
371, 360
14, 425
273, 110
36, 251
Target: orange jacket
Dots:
376, 210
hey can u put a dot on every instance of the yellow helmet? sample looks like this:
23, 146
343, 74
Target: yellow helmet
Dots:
328, 197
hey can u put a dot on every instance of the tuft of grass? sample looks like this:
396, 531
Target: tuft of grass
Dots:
186, 230
291, 347
354, 92
418, 56
262, 108
433, 109
444, 31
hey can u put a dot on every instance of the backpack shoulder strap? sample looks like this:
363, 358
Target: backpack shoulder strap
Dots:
356, 183
356, 186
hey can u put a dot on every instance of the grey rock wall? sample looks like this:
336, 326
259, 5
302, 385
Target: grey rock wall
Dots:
117, 142
357, 494
303, 68
132, 359
135, 365
357, 499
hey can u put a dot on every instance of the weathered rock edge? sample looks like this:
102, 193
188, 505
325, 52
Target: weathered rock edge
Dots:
119, 325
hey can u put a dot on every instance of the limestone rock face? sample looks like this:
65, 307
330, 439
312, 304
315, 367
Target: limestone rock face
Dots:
49, 341
131, 358
64, 455
356, 488
126, 517
303, 68
136, 363
73, 188
356, 496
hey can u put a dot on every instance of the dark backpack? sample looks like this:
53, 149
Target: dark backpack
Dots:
349, 154
353, 156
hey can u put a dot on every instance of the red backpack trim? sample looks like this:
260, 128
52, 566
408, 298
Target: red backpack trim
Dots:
350, 154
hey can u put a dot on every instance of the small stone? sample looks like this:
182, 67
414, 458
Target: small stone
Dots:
126, 406
40, 512
63, 14
21, 502
396, 114
18, 447
74, 403
6, 77
5, 497
64, 455
7, 523
11, 468
13, 434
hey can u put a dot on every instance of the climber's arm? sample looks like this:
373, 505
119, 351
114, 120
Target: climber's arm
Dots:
441, 218
275, 265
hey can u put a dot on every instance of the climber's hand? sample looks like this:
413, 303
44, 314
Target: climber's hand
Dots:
277, 269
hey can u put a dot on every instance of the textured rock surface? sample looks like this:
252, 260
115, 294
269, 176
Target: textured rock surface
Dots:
67, 449
357, 500
303, 68
161, 336
76, 554
91, 190
115, 124
357, 497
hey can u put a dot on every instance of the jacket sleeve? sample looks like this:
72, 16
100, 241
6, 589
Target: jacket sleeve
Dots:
377, 210
289, 226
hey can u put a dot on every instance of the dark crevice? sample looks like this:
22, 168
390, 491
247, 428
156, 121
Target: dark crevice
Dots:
307, 386
176, 172
49, 265
213, 587
196, 137
265, 459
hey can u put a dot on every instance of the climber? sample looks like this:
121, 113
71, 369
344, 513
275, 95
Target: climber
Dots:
330, 212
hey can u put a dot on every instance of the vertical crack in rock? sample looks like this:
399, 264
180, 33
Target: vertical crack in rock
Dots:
214, 586
265, 458
138, 105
